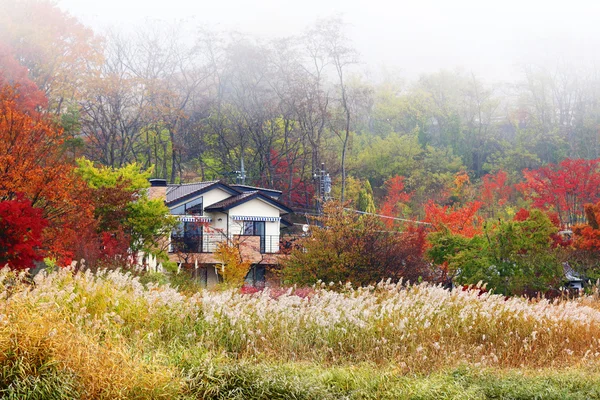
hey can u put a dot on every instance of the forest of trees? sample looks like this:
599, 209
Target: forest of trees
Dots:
195, 103
198, 105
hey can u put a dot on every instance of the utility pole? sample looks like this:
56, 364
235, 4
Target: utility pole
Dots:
323, 187
240, 179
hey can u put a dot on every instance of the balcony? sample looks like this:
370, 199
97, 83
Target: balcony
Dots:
208, 242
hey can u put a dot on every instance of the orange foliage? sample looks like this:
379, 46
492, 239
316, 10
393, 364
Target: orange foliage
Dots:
460, 180
395, 198
58, 52
32, 163
460, 220
234, 268
495, 192
587, 236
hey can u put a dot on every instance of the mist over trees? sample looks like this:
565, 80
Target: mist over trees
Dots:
191, 104
199, 104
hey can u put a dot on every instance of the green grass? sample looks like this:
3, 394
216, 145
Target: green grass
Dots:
224, 379
20, 380
297, 381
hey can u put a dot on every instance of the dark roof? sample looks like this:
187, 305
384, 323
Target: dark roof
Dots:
244, 197
269, 192
286, 222
231, 201
177, 193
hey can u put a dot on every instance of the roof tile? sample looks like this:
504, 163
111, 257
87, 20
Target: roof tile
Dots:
176, 192
231, 200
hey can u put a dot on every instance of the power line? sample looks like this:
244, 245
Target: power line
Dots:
367, 213
394, 232
388, 217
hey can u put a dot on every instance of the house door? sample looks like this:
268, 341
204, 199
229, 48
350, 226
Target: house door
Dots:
259, 230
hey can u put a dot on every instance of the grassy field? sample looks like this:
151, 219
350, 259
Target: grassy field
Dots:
108, 335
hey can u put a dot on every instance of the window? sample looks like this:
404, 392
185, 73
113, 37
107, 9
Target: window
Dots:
193, 207
248, 228
180, 210
256, 228
187, 238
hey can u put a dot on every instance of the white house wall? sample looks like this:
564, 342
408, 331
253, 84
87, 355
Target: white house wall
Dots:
209, 198
214, 196
254, 208
216, 224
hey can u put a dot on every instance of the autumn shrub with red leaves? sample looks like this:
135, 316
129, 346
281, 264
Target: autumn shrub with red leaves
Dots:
395, 199
459, 220
585, 257
564, 188
21, 227
495, 193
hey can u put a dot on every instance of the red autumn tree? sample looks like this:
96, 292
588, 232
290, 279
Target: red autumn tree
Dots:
58, 52
587, 236
15, 74
21, 228
564, 188
586, 243
287, 178
394, 200
459, 220
33, 163
495, 192
101, 240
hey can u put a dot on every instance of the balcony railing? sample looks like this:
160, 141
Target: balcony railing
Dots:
205, 243
186, 244
208, 242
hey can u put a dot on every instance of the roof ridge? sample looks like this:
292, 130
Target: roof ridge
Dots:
177, 192
257, 187
190, 183
233, 201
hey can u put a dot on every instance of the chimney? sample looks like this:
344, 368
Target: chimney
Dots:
158, 189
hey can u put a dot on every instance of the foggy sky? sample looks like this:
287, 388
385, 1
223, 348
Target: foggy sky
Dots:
492, 39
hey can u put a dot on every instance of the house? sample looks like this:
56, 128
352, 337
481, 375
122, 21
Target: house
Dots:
213, 212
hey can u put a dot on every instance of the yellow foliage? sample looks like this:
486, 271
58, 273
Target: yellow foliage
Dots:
461, 179
234, 269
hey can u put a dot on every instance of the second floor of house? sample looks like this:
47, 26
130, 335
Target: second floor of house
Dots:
211, 212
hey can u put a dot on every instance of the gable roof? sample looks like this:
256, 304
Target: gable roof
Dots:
185, 191
276, 194
234, 201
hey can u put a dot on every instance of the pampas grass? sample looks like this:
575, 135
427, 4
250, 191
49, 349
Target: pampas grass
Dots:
107, 335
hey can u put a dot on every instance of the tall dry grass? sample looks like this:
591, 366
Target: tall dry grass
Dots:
114, 337
416, 328
49, 325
